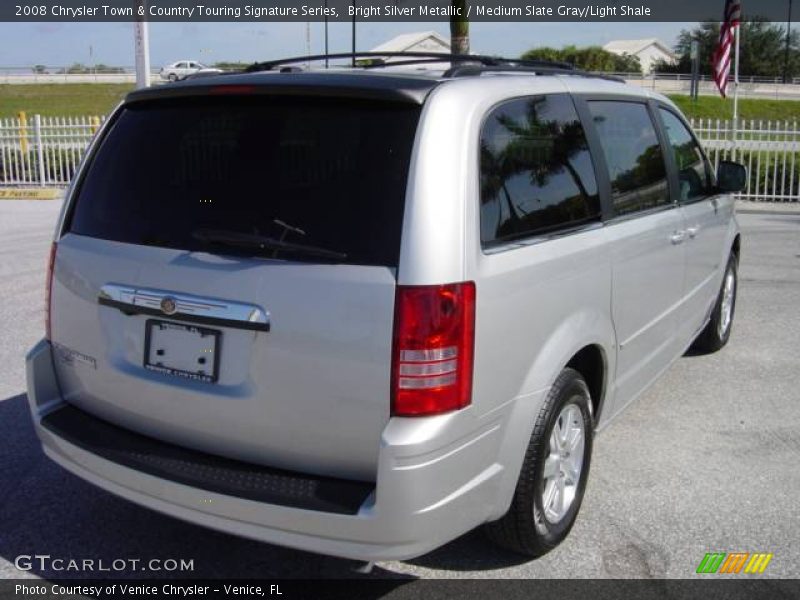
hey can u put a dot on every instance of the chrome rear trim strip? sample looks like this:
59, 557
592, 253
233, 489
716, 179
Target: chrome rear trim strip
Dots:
184, 307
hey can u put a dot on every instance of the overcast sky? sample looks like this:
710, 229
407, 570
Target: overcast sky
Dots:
25, 44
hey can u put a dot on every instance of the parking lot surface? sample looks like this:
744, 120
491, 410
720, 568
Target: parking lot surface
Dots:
705, 461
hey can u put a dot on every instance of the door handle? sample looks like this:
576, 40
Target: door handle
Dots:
677, 237
693, 231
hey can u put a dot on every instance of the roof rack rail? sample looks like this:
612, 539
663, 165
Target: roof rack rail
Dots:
476, 70
413, 58
462, 65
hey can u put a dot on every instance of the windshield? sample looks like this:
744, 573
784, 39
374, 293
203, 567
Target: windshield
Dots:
324, 173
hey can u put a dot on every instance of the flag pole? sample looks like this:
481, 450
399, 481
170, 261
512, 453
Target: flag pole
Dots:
736, 92
736, 78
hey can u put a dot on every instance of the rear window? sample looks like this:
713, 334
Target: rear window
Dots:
537, 175
327, 173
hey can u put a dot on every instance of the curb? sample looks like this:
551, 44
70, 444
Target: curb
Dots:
746, 207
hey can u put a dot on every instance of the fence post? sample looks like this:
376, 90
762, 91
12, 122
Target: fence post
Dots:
23, 132
37, 133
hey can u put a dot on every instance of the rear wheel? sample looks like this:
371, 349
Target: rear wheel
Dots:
553, 477
718, 330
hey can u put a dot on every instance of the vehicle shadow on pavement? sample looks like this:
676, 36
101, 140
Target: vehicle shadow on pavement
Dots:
44, 510
471, 552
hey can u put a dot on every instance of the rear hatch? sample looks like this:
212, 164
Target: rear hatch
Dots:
226, 276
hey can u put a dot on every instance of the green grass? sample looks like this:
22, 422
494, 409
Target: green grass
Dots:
73, 99
714, 107
61, 100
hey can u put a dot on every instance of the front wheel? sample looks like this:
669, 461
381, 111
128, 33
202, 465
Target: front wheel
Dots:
718, 330
553, 477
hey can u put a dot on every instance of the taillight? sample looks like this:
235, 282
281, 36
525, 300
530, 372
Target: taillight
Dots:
434, 339
49, 289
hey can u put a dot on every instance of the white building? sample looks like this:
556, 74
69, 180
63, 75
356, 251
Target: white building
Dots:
649, 51
424, 41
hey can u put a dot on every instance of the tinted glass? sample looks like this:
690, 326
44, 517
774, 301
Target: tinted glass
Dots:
633, 155
694, 172
336, 170
536, 171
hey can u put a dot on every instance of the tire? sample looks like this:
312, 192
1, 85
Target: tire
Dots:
718, 330
533, 524
172, 78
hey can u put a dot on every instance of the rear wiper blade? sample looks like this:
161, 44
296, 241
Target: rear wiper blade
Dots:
263, 242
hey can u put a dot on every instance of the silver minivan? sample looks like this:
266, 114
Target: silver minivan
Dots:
363, 311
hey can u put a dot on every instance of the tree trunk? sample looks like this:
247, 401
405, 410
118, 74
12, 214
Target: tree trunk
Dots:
459, 29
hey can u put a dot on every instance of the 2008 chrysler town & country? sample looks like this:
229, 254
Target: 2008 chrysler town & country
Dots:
363, 311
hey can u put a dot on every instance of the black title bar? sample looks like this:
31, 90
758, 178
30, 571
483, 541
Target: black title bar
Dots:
399, 587
380, 10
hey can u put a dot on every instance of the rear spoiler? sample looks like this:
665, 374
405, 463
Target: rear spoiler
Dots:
409, 90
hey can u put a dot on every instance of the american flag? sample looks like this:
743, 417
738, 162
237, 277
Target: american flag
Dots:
721, 60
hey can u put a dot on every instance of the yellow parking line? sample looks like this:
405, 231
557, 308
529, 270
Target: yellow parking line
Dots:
30, 193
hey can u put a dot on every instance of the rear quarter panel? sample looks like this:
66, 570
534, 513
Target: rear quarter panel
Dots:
536, 305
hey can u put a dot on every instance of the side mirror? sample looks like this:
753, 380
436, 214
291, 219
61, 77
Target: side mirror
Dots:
731, 177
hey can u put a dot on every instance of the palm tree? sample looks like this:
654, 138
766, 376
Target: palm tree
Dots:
568, 140
459, 28
540, 148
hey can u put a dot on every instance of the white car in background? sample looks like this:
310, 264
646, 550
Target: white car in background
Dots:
183, 68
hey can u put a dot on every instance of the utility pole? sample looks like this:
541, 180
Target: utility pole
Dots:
694, 54
308, 42
354, 34
141, 38
788, 44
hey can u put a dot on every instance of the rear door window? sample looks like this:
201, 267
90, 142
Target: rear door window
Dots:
633, 154
537, 175
319, 172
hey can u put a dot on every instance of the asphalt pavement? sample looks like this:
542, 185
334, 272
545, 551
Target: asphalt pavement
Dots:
705, 461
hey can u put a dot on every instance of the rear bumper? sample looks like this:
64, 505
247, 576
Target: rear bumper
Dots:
434, 482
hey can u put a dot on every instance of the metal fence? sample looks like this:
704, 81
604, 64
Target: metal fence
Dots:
71, 74
747, 89
50, 73
769, 149
45, 152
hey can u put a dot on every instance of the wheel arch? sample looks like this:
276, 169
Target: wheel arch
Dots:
585, 343
591, 362
736, 247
